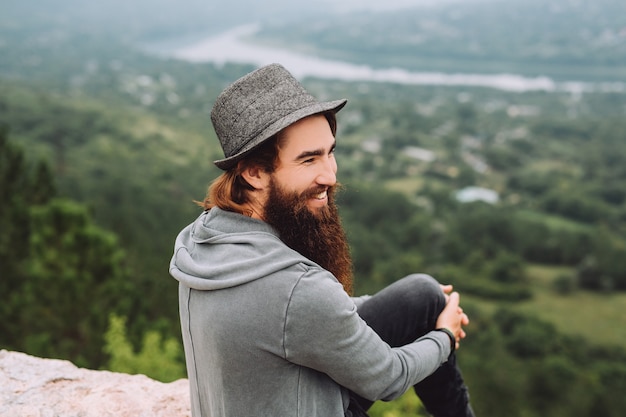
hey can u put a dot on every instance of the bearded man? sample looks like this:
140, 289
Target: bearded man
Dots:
269, 324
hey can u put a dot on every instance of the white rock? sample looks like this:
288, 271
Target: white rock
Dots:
35, 387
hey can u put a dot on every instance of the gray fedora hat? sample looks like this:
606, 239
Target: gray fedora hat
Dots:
259, 105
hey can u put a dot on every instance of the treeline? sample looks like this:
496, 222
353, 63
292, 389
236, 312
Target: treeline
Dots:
391, 237
61, 274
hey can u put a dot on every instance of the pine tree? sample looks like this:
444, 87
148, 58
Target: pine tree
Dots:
61, 274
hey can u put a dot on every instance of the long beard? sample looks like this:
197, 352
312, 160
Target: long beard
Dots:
318, 236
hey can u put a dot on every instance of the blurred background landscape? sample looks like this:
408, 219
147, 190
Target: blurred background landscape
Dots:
484, 143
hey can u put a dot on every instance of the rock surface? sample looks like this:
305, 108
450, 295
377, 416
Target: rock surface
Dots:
35, 387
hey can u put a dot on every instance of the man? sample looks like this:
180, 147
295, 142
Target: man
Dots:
269, 325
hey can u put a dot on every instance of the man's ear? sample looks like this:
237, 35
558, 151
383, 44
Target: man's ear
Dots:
255, 176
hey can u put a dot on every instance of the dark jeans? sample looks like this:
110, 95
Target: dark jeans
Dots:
400, 314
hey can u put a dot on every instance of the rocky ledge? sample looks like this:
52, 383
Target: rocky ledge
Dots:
35, 387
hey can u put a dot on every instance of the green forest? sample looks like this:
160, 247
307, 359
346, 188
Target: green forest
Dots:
104, 148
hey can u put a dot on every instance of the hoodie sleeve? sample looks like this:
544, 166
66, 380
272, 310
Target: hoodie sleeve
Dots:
323, 331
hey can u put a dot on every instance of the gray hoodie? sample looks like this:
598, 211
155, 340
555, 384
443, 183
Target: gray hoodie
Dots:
268, 332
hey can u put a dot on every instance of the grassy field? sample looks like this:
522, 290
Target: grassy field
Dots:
596, 317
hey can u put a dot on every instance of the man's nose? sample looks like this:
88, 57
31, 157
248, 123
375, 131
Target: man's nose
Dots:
328, 172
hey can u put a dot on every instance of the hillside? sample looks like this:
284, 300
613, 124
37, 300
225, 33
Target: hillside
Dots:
564, 39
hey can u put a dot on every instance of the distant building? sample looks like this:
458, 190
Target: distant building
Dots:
420, 153
471, 194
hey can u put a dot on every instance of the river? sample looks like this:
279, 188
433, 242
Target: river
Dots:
229, 46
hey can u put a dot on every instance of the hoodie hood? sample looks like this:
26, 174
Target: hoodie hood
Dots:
222, 249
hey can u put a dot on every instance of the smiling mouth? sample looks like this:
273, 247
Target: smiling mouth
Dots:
321, 196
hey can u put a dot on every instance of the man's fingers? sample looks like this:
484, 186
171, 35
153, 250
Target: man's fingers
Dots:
447, 289
454, 299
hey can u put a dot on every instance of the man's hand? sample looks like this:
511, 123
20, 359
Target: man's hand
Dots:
452, 317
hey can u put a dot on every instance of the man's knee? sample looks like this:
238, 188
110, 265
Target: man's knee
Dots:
405, 310
423, 286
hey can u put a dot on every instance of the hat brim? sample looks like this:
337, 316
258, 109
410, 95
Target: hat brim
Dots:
277, 126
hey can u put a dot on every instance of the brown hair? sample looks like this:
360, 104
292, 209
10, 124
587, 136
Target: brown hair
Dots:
230, 191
